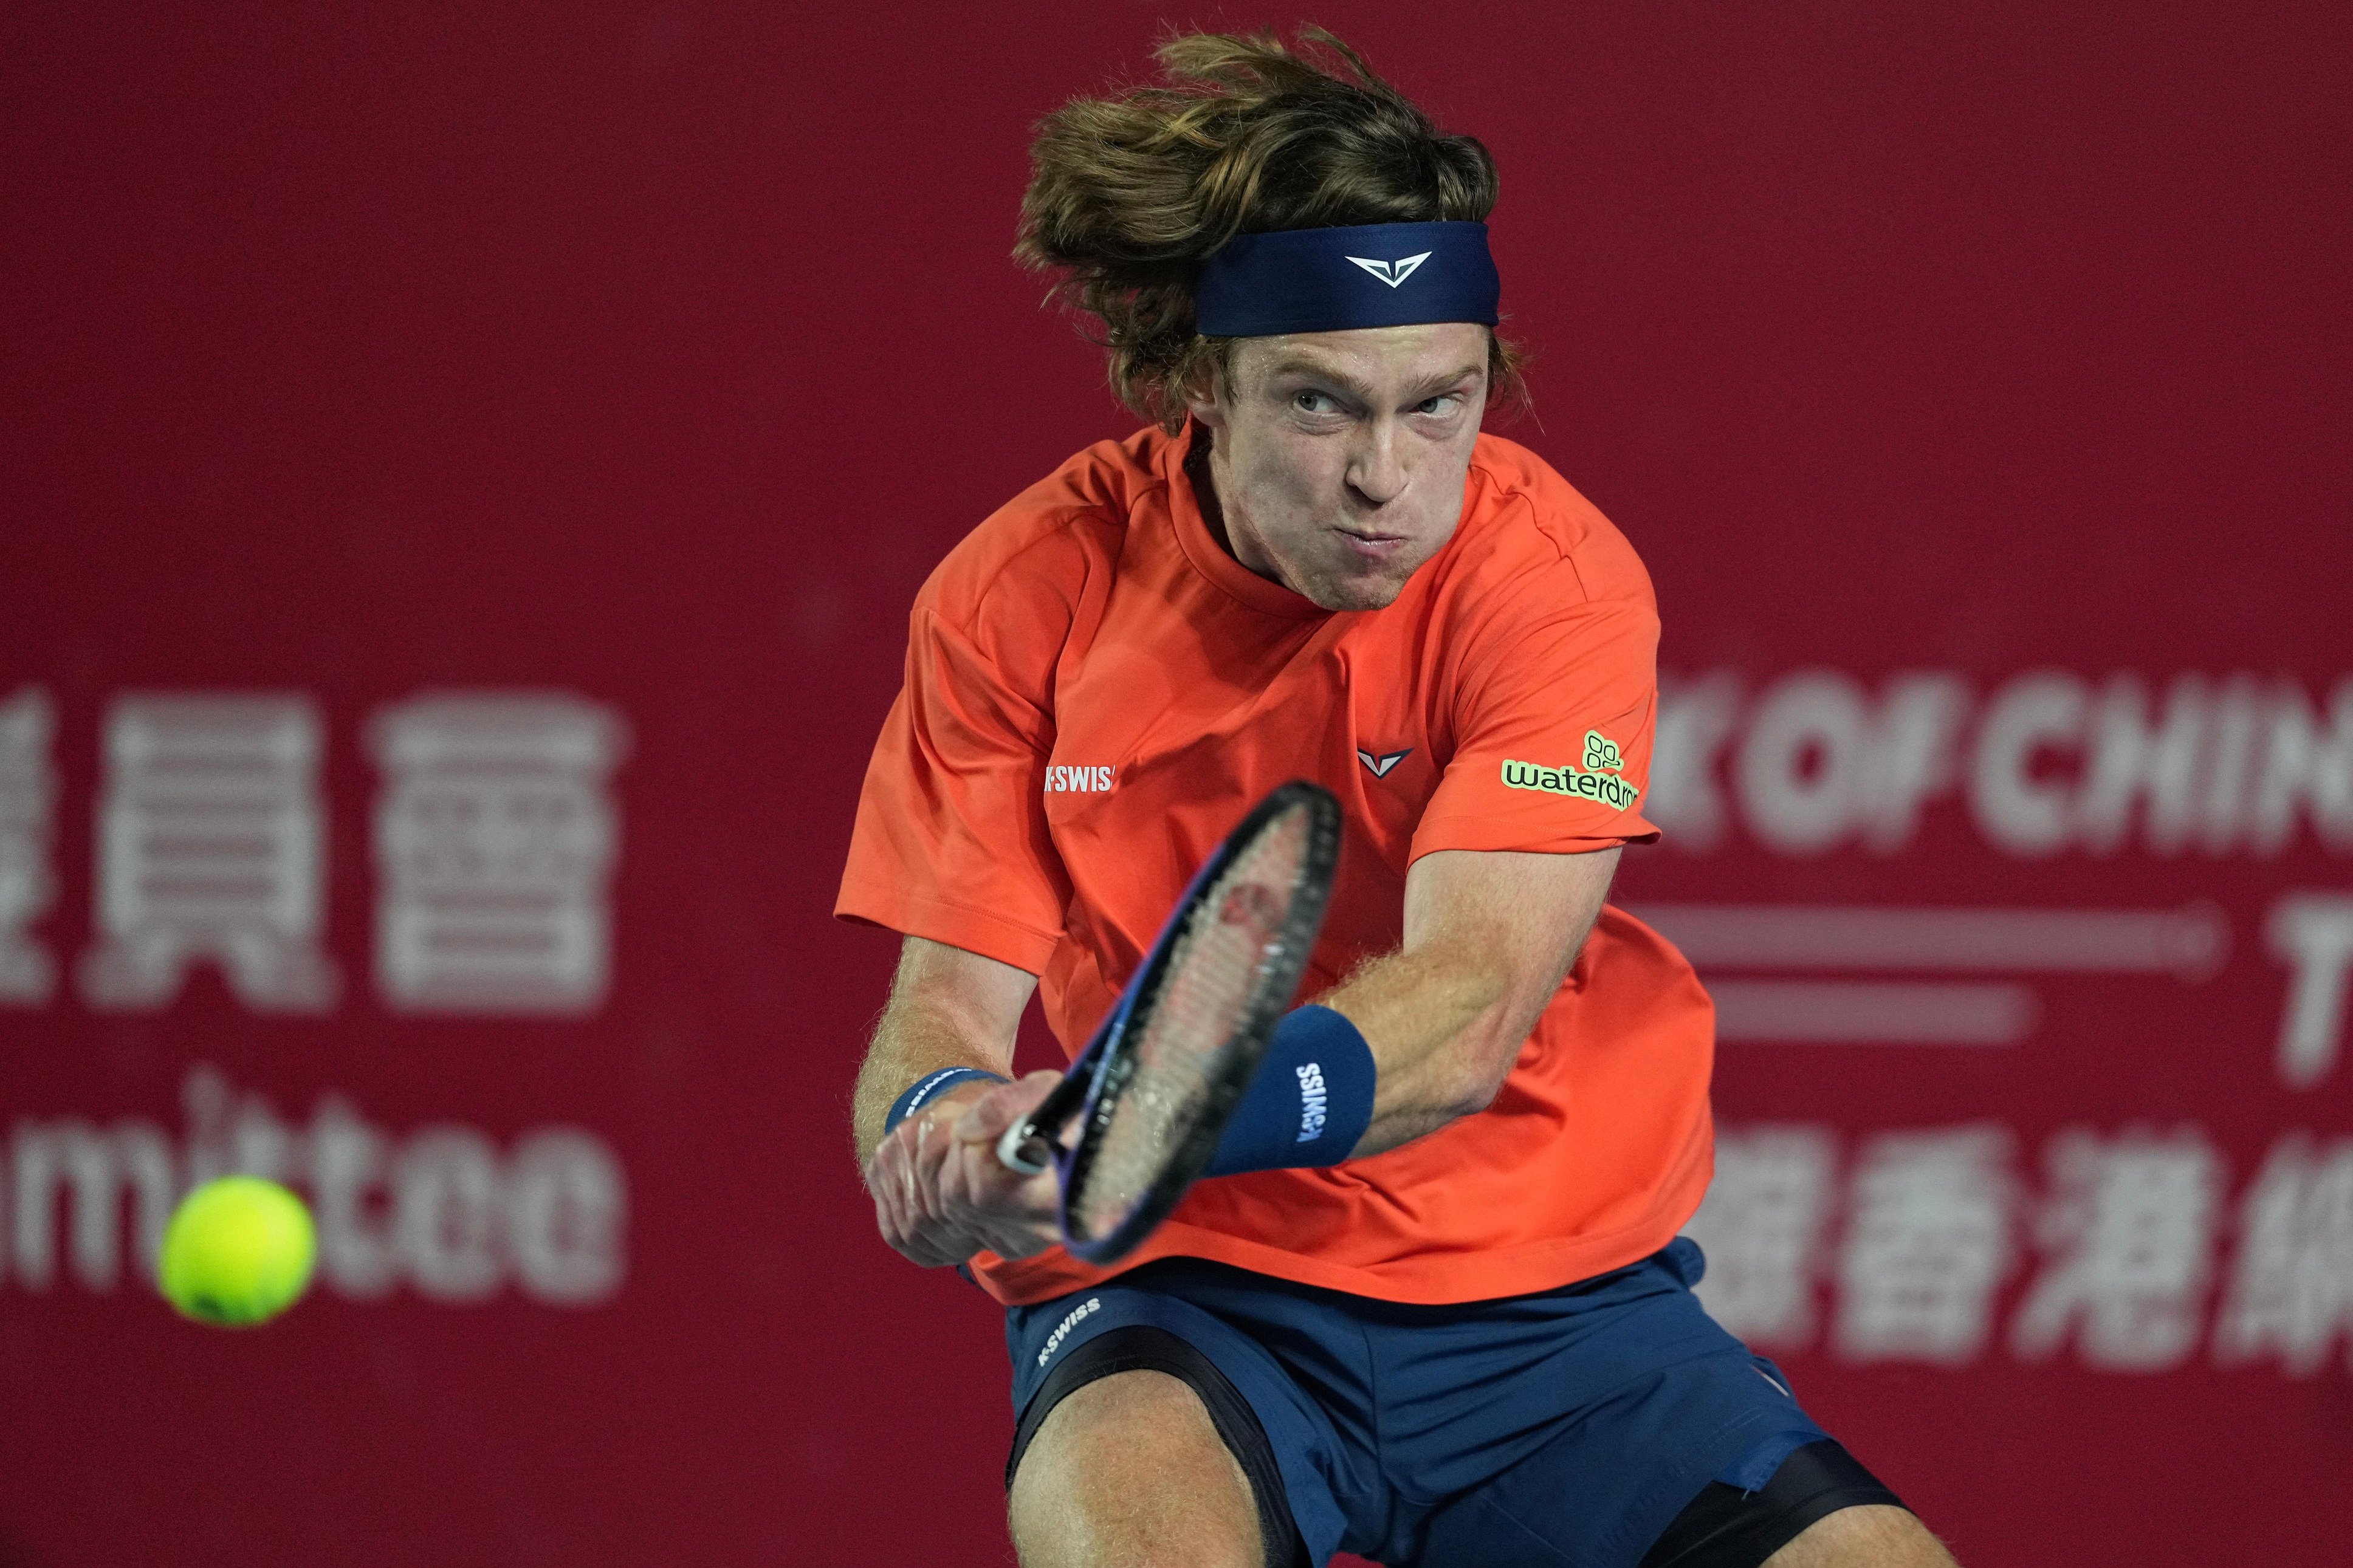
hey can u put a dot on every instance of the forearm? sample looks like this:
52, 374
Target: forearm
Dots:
910, 1043
1443, 1028
1489, 937
948, 1009
939, 1191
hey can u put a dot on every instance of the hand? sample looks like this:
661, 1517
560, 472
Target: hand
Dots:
942, 1195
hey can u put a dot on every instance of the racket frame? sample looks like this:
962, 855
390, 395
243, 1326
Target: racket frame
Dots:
1090, 1091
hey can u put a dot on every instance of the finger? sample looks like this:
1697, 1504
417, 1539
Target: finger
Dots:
903, 1177
1017, 1238
928, 1152
930, 1250
902, 1200
983, 1180
939, 1200
910, 1222
932, 1145
985, 1120
1028, 1244
885, 1180
978, 1193
881, 1169
944, 1203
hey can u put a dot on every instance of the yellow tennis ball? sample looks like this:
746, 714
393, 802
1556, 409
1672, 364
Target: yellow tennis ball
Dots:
238, 1250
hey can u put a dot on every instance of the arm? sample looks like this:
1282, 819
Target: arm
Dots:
1489, 936
948, 1009
940, 1195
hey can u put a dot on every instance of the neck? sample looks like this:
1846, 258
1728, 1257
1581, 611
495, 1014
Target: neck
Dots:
1203, 463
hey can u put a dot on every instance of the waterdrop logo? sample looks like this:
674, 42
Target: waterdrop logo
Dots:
1597, 780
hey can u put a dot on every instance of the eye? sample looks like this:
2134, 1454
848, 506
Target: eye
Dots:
1439, 404
1314, 403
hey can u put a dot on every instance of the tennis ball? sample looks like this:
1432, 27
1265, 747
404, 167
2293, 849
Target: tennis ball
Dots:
238, 1250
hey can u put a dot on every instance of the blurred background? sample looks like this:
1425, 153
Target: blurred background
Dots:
488, 451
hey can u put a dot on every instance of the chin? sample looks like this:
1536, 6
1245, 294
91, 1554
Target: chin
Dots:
1355, 594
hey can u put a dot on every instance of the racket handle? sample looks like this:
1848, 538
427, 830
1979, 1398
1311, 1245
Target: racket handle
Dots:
1022, 1150
1027, 1147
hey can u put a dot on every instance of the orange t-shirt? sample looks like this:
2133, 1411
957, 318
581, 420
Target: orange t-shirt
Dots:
1096, 692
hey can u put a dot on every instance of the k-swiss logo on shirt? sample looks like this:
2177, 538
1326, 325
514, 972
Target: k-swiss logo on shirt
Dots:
1381, 764
1392, 272
1596, 780
1061, 780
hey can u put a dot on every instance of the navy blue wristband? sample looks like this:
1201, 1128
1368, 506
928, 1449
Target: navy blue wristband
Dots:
1310, 1103
924, 1088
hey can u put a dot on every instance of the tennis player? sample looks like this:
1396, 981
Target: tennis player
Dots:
1431, 1306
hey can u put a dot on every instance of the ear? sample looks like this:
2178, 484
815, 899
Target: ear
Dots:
1205, 402
1208, 391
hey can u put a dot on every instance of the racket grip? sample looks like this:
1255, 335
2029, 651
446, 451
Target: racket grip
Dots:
1028, 1146
1022, 1150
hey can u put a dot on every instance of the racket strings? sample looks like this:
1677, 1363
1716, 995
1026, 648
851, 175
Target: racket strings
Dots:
1215, 977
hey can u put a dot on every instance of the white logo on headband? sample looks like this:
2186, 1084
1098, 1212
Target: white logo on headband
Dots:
1392, 272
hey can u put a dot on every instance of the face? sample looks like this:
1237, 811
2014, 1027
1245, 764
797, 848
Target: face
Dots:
1339, 458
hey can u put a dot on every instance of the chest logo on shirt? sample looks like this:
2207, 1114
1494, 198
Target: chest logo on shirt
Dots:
1061, 780
1596, 780
1381, 764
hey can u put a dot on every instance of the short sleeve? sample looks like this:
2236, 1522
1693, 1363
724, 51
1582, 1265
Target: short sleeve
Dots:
1552, 737
950, 841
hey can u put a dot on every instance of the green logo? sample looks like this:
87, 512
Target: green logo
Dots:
1596, 780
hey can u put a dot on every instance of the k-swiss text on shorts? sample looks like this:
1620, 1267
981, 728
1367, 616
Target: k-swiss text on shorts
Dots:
1062, 1329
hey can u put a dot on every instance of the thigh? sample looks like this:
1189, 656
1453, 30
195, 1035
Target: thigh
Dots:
1130, 1468
1644, 1402
1879, 1535
1610, 1481
1203, 1368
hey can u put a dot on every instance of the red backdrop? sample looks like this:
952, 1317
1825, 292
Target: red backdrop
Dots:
466, 472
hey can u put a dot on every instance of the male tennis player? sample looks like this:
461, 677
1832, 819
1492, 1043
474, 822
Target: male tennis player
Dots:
1431, 1308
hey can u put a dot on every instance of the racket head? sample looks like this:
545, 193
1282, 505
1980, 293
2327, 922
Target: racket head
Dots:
1179, 1051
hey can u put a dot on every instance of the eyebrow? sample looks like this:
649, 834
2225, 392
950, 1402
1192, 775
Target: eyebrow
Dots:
1427, 386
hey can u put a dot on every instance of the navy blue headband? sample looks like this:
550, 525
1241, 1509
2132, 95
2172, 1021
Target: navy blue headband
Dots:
1329, 279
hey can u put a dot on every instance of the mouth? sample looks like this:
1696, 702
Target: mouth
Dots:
1371, 546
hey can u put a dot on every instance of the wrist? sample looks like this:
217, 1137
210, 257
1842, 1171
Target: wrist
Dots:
934, 1088
1309, 1104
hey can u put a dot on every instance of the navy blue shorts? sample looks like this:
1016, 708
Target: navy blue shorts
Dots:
1570, 1427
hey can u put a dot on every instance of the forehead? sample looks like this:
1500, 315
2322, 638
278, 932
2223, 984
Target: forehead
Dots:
1369, 356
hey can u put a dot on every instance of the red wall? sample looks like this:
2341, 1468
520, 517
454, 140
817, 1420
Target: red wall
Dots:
644, 359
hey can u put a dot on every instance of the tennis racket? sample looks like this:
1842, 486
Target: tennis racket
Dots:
1154, 1088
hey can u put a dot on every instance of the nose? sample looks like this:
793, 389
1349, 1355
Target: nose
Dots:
1376, 471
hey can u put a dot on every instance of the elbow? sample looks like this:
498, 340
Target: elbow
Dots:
1473, 1096
1481, 1067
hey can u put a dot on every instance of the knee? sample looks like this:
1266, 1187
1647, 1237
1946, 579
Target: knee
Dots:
1129, 1469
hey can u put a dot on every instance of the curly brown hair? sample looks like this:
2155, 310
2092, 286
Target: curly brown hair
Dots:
1132, 191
